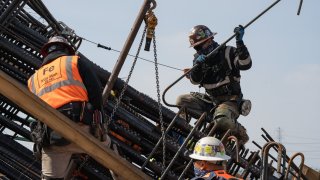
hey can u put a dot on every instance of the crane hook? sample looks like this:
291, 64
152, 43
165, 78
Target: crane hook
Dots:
151, 21
154, 5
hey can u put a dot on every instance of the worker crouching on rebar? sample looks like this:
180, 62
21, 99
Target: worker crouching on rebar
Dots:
68, 84
210, 160
219, 74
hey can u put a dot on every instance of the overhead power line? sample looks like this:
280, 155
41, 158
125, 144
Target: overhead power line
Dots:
313, 143
314, 151
312, 138
110, 49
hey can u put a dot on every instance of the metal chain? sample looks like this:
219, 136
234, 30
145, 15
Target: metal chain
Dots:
159, 102
127, 80
86, 158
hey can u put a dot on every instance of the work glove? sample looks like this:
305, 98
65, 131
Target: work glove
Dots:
185, 71
200, 59
239, 31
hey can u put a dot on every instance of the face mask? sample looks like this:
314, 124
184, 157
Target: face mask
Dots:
210, 48
200, 172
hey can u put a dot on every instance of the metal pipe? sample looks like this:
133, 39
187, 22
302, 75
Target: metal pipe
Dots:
116, 70
199, 122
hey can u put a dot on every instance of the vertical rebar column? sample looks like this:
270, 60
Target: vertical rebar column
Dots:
160, 140
199, 122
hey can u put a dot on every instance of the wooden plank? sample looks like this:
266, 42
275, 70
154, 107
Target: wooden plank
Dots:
21, 96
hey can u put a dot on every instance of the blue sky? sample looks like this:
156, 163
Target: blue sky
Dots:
283, 84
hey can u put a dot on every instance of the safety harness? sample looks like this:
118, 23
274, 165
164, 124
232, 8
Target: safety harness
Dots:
79, 112
223, 69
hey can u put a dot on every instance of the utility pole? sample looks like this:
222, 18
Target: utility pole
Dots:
279, 135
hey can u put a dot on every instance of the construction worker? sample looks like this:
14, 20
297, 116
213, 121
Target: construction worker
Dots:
210, 160
68, 84
219, 74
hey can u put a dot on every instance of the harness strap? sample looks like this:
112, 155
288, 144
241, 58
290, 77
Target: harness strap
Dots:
224, 69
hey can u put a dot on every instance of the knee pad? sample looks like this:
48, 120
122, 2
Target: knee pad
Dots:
225, 118
224, 123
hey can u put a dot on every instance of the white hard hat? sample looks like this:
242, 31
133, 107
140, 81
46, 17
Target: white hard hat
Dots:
209, 149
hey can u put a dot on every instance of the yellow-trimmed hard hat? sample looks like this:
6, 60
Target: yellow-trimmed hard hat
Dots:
209, 149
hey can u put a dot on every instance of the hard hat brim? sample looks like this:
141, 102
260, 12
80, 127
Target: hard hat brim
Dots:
198, 43
207, 158
45, 47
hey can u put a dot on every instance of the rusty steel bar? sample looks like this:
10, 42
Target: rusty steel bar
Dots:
215, 126
251, 161
291, 161
191, 160
237, 146
265, 155
199, 122
116, 70
225, 136
160, 140
295, 167
185, 169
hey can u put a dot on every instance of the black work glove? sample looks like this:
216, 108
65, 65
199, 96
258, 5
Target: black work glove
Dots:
239, 31
242, 50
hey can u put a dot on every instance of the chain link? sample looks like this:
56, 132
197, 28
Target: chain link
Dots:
86, 158
159, 102
118, 101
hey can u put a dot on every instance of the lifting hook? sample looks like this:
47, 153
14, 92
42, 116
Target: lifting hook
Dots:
151, 21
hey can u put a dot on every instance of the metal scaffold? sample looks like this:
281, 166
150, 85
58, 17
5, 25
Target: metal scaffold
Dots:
145, 132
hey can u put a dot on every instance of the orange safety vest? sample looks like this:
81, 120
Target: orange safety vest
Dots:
224, 174
59, 82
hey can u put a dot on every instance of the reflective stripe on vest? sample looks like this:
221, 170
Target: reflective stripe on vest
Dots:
59, 82
224, 174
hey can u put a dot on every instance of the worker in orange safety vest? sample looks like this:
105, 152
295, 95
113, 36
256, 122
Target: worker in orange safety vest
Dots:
209, 157
69, 84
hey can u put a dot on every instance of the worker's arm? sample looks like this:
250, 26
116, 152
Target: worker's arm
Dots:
92, 83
